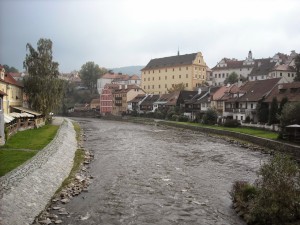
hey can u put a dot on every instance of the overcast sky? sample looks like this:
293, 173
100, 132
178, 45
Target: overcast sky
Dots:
116, 33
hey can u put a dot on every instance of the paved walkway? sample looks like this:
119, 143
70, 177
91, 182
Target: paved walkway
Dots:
25, 191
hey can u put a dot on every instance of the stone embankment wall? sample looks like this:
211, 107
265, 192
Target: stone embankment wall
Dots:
25, 191
293, 150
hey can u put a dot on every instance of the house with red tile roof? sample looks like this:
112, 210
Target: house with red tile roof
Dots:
243, 103
12, 89
291, 91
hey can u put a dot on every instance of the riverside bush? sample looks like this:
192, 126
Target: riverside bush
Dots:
232, 123
183, 118
275, 197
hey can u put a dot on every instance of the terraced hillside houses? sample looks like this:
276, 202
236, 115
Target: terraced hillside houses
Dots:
278, 66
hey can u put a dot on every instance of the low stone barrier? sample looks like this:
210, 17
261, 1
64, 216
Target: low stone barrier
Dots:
291, 149
26, 190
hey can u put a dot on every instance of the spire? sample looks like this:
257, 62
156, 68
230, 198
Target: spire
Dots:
178, 51
250, 55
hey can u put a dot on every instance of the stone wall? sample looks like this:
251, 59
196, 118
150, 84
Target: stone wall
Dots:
291, 149
25, 191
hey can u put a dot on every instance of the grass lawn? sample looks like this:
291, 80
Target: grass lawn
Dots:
244, 130
24, 145
35, 139
10, 159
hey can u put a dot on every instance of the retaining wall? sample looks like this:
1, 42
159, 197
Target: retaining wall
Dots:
293, 150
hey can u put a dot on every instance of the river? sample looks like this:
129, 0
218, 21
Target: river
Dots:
147, 174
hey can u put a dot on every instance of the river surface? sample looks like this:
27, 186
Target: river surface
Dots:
155, 175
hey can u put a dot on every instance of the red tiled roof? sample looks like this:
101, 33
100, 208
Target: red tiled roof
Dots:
135, 77
255, 90
289, 90
10, 80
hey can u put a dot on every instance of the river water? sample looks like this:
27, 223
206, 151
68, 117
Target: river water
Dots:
156, 175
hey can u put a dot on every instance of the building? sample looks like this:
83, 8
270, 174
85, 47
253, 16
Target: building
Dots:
106, 98
243, 103
121, 97
278, 66
162, 74
95, 104
147, 104
12, 89
117, 78
134, 104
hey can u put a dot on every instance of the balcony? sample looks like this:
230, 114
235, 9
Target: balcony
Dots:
118, 98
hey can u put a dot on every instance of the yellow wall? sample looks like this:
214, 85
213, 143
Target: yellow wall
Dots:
14, 96
158, 81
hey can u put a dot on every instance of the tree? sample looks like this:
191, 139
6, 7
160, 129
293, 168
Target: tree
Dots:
278, 197
10, 69
282, 103
232, 78
89, 74
273, 112
262, 111
210, 116
297, 65
290, 114
43, 87
177, 87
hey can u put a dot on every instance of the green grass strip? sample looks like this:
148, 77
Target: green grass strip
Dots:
245, 130
35, 139
11, 159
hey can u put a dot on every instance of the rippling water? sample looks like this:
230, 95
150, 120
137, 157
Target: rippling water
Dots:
154, 175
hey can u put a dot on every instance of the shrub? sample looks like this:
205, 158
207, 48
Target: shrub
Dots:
247, 120
275, 198
183, 118
210, 117
174, 117
232, 123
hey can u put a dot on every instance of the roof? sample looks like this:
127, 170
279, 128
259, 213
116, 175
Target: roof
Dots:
177, 60
262, 67
8, 118
150, 99
232, 64
95, 101
114, 76
10, 80
289, 90
135, 77
255, 90
30, 111
125, 88
138, 98
284, 67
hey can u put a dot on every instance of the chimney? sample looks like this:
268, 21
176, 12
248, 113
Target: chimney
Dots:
199, 91
120, 86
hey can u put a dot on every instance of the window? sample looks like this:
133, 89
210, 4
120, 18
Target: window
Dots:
148, 78
149, 72
288, 74
186, 84
179, 76
216, 75
195, 68
152, 71
166, 70
219, 75
148, 86
242, 118
144, 79
173, 76
223, 75
187, 76
251, 105
159, 86
152, 86
165, 77
152, 78
158, 78
145, 87
186, 68
179, 68
166, 85
173, 69
281, 74
159, 71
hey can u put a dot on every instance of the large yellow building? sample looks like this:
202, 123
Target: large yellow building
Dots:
163, 73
